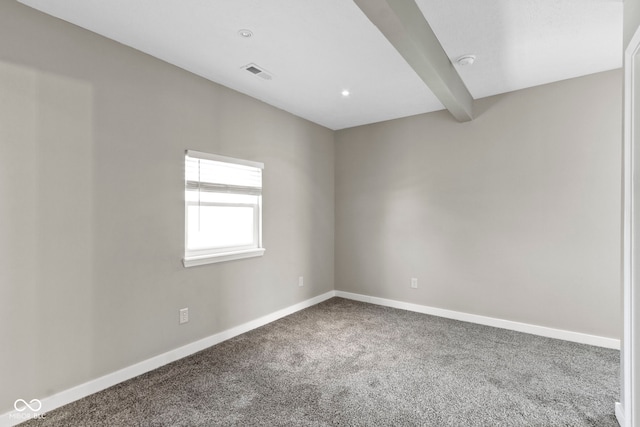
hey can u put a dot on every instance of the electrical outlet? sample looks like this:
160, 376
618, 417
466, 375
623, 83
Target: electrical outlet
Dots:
184, 315
301, 281
414, 283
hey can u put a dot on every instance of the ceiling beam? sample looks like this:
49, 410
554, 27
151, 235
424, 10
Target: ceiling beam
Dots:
404, 25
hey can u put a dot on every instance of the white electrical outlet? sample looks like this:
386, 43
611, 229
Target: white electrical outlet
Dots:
414, 283
184, 315
300, 281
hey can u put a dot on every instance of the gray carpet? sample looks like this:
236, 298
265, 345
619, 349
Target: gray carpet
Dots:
352, 364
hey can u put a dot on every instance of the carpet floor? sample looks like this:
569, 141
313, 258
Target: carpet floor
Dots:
353, 364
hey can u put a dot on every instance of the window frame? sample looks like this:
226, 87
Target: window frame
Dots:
195, 257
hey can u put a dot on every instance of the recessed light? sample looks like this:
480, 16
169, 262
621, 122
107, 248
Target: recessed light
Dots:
345, 93
245, 33
466, 60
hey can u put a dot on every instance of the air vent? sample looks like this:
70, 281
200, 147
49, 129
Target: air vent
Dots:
258, 71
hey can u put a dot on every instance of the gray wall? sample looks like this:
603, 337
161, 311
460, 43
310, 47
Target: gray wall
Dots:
92, 140
515, 215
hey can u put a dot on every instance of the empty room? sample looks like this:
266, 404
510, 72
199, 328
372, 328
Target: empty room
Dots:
317, 212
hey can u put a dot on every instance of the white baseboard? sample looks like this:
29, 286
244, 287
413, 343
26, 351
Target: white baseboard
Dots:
620, 414
489, 321
70, 395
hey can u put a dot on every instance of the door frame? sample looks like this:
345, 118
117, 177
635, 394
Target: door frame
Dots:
625, 409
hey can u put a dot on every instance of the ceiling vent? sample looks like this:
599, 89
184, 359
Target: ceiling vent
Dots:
258, 71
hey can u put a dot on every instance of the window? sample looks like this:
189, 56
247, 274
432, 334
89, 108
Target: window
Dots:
223, 217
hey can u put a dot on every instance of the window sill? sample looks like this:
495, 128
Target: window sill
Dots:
227, 256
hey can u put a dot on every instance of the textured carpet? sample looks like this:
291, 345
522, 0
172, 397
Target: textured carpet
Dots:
353, 364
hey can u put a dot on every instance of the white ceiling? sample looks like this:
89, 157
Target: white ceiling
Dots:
316, 48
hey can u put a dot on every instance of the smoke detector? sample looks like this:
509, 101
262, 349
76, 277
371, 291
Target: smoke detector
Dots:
466, 60
258, 71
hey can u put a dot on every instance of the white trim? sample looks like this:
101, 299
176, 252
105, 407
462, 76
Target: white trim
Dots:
70, 395
620, 414
226, 256
217, 158
628, 387
489, 321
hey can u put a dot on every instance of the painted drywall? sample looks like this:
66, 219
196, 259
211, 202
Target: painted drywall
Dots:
92, 141
631, 20
515, 215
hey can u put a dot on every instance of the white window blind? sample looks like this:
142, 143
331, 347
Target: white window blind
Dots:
223, 198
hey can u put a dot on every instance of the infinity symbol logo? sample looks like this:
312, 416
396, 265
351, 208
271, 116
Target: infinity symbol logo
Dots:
37, 405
